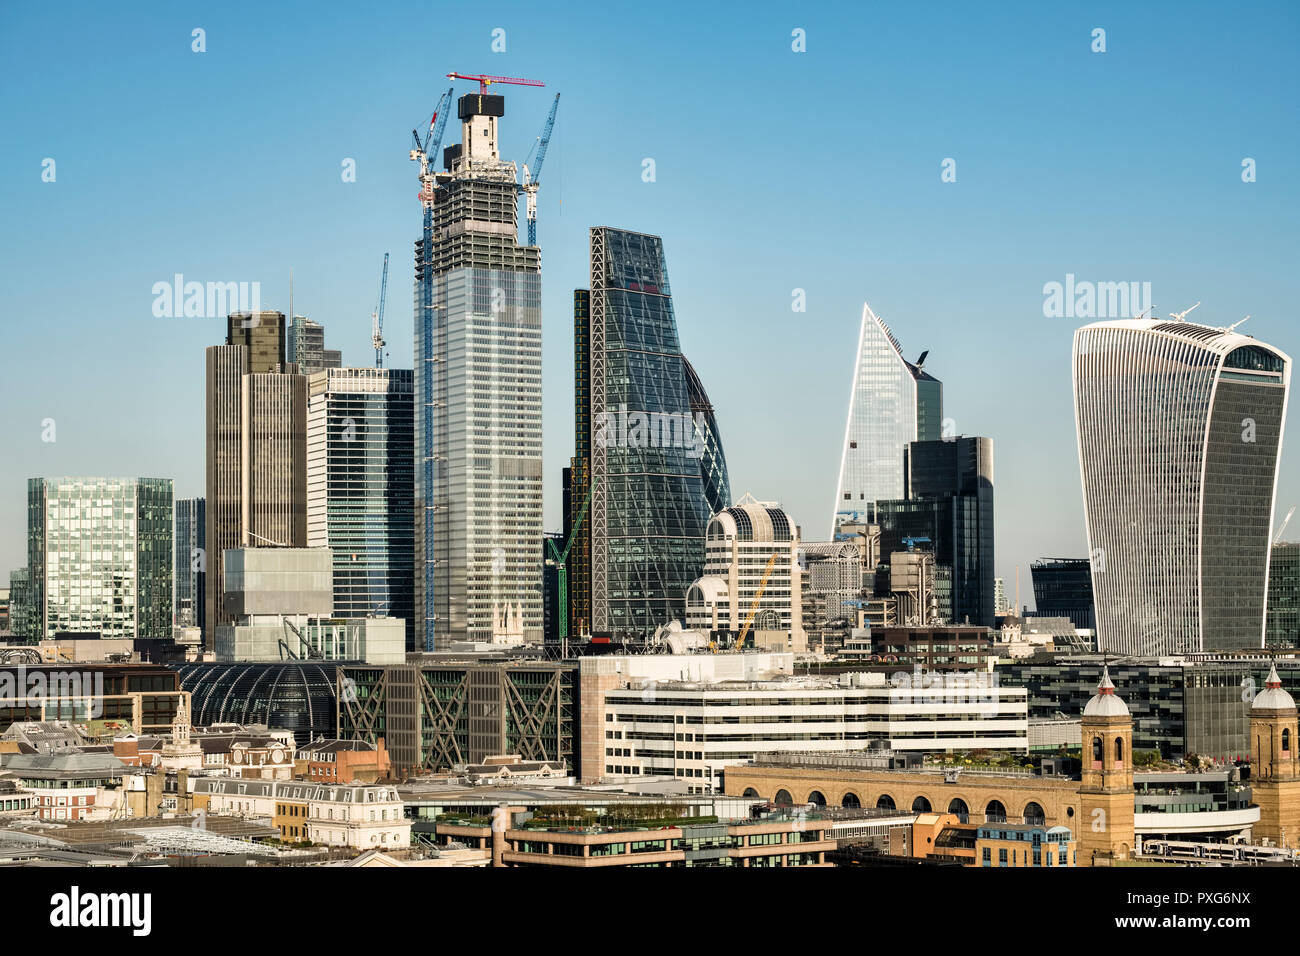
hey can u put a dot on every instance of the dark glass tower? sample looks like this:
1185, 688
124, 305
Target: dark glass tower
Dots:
949, 499
1063, 588
652, 442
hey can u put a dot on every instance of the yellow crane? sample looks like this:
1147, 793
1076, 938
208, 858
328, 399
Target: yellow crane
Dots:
753, 607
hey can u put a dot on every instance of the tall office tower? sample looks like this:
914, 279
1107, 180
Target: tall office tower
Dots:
1283, 628
1180, 436
959, 470
892, 402
1063, 588
478, 395
256, 449
650, 447
577, 477
949, 500
190, 561
1000, 596
551, 587
360, 488
100, 555
305, 346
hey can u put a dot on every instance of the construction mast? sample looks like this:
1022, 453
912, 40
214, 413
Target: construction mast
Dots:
377, 319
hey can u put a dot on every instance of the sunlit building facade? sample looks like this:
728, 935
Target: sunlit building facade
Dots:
892, 402
1180, 435
100, 555
478, 396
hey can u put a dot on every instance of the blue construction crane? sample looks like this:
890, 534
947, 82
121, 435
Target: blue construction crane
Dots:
534, 173
432, 143
913, 542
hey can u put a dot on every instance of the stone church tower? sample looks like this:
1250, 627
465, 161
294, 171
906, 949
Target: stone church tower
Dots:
1106, 793
1274, 769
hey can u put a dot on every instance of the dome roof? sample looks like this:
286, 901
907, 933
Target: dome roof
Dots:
1273, 696
1104, 703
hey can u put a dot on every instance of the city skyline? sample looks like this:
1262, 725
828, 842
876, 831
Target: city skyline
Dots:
930, 264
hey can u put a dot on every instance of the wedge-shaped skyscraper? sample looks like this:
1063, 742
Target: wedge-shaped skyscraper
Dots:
1180, 437
892, 402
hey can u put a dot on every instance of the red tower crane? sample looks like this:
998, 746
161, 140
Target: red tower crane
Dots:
485, 80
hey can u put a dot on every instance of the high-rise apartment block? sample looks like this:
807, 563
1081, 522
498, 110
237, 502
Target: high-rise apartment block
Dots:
892, 402
1180, 438
656, 468
478, 395
360, 448
99, 552
256, 448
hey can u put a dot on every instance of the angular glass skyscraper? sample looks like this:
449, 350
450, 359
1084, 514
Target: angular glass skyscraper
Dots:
658, 472
1180, 436
892, 402
100, 555
360, 443
478, 395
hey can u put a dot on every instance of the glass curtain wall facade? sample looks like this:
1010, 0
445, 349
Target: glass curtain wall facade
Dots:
892, 402
1284, 596
1063, 588
100, 555
1180, 431
360, 488
650, 451
189, 562
478, 388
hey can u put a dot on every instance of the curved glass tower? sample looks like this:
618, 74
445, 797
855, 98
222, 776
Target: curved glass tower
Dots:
657, 468
1180, 435
892, 402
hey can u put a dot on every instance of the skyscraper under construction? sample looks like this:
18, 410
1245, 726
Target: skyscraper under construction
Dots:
478, 394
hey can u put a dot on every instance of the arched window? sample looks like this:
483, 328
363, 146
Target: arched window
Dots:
783, 798
1096, 749
750, 792
1119, 749
850, 801
886, 802
818, 798
958, 806
995, 812
1286, 740
1034, 814
920, 805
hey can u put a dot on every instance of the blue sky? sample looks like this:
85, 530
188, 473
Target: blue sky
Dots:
775, 171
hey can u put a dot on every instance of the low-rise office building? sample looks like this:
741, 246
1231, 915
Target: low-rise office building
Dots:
693, 730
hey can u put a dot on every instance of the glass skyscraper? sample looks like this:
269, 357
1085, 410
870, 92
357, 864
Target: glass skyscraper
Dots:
478, 395
658, 471
99, 551
1180, 436
892, 402
190, 562
360, 446
1063, 588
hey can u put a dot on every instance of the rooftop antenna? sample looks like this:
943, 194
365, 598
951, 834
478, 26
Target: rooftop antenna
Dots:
1237, 323
1181, 316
